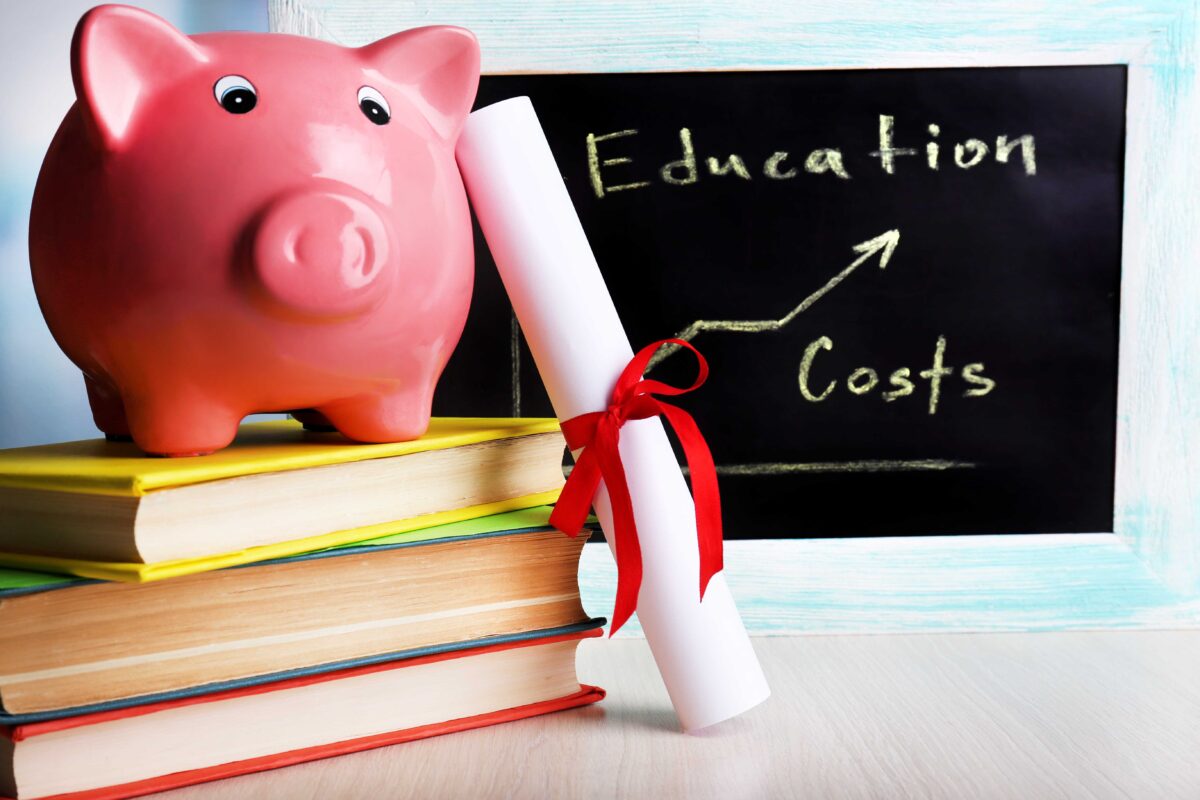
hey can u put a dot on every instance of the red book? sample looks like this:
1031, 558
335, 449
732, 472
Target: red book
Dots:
151, 748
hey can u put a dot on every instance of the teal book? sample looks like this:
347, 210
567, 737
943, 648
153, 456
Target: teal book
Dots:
71, 645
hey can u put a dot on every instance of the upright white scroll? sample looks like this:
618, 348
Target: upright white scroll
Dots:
580, 346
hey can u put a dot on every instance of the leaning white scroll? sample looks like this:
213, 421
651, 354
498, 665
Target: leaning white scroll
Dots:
580, 347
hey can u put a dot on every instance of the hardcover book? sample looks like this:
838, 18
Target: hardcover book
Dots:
151, 748
102, 509
68, 646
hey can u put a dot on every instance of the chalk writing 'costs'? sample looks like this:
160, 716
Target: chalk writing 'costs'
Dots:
902, 382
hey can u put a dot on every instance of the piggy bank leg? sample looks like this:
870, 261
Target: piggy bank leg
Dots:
395, 417
167, 425
108, 411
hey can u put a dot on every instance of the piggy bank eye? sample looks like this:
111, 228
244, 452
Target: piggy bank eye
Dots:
235, 94
374, 106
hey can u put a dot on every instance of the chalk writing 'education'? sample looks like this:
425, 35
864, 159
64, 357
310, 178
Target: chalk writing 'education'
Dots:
779, 166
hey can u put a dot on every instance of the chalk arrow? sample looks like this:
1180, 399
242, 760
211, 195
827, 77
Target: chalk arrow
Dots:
884, 244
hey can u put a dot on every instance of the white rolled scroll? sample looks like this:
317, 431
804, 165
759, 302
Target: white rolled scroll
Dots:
580, 347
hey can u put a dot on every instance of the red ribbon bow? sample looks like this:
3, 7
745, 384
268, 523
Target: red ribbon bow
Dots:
598, 433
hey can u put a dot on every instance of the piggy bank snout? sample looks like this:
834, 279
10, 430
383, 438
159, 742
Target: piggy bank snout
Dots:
322, 253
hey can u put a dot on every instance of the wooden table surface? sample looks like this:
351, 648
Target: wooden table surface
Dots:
1028, 716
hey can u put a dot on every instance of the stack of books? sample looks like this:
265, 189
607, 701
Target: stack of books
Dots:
170, 621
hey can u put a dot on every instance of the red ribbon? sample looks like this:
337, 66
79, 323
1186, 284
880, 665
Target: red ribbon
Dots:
598, 434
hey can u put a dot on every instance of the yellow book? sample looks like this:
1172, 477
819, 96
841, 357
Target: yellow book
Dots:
102, 509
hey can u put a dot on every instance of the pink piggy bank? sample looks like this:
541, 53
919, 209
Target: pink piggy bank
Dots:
234, 223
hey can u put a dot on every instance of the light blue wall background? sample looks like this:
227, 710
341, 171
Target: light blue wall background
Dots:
41, 393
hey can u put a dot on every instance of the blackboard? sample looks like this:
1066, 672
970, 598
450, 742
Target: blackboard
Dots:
991, 198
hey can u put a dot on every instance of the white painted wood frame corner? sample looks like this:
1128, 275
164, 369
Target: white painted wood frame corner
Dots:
1145, 571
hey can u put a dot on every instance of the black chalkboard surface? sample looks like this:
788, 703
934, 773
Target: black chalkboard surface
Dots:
906, 283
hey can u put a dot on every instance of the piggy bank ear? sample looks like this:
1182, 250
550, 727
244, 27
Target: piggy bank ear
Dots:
119, 57
440, 64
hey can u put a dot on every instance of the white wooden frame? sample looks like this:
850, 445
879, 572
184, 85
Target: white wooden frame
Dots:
1145, 572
